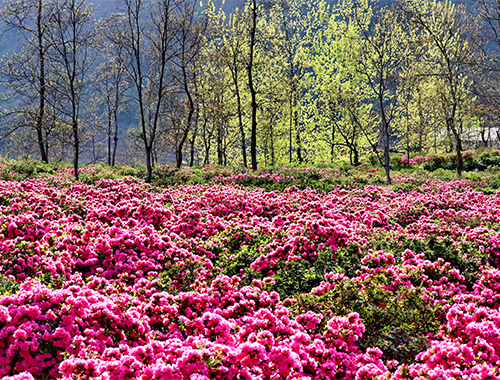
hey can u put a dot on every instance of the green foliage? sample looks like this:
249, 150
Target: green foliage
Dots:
22, 169
236, 249
396, 320
373, 159
348, 259
480, 160
395, 160
434, 162
176, 277
8, 286
301, 276
463, 255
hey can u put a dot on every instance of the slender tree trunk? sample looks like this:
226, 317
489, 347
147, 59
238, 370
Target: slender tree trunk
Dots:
193, 141
408, 156
458, 145
298, 138
191, 159
385, 140
240, 118
332, 146
407, 137
115, 139
110, 129
149, 165
77, 149
147, 145
273, 158
408, 146
253, 92
460, 159
115, 116
290, 135
41, 108
206, 142
483, 138
189, 118
219, 144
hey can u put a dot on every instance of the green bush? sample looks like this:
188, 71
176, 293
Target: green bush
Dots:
434, 162
397, 318
395, 160
449, 250
301, 276
373, 159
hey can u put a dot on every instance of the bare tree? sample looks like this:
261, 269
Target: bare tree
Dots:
26, 72
111, 81
188, 39
149, 47
71, 60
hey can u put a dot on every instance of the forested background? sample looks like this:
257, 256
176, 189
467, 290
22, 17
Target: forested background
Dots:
247, 82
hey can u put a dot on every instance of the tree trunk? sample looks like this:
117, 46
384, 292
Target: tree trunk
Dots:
115, 138
290, 136
298, 139
458, 146
460, 159
149, 166
356, 155
219, 145
240, 119
206, 142
115, 115
273, 157
483, 138
408, 153
41, 108
189, 118
77, 149
253, 93
193, 141
109, 136
385, 140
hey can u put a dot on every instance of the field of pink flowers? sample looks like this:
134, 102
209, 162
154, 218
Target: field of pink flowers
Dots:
123, 280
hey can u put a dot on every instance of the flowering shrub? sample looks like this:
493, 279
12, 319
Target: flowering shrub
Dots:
118, 279
404, 160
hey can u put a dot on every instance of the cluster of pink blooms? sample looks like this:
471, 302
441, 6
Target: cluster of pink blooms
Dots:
413, 161
120, 280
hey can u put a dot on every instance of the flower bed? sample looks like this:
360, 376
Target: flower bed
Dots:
122, 280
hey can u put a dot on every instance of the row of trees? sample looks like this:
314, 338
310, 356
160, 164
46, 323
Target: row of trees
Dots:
273, 82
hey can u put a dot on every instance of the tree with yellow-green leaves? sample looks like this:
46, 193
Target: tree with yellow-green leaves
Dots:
381, 55
269, 83
341, 105
225, 51
447, 33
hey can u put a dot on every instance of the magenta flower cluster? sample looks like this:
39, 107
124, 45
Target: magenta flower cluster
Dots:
122, 280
